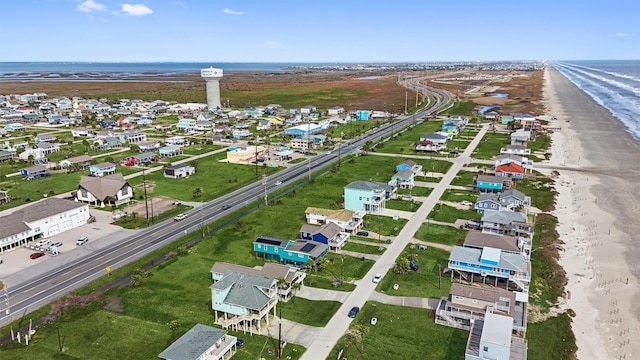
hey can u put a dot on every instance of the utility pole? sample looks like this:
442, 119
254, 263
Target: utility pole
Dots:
309, 146
406, 101
144, 186
264, 182
280, 334
256, 156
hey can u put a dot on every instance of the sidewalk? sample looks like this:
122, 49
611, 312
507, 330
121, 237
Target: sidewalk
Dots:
311, 293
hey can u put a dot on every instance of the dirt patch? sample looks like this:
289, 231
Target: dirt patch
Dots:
155, 205
58, 306
113, 303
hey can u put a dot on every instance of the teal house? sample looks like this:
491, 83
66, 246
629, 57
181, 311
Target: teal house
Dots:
490, 183
369, 196
297, 252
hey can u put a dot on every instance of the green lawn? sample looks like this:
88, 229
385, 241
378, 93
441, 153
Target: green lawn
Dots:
424, 282
404, 143
297, 309
541, 191
459, 195
322, 282
463, 178
404, 205
490, 145
440, 234
402, 333
450, 214
383, 225
364, 249
416, 191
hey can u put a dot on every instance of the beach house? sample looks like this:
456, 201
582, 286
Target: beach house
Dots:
297, 252
102, 169
201, 342
348, 220
491, 338
288, 276
330, 234
491, 183
466, 303
506, 222
510, 170
409, 165
368, 196
34, 172
243, 301
491, 266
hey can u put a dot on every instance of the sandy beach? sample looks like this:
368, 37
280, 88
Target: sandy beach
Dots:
597, 208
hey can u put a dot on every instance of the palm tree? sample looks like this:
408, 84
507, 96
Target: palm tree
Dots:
361, 331
295, 287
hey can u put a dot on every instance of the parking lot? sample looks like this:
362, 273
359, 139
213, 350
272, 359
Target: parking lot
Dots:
17, 267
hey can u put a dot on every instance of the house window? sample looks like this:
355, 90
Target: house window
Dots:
360, 198
494, 206
485, 348
275, 250
259, 246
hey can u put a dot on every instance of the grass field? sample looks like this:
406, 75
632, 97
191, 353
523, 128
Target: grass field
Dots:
364, 249
490, 145
440, 234
297, 309
450, 214
401, 333
422, 283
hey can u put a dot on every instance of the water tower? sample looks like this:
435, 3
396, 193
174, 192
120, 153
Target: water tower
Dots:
212, 76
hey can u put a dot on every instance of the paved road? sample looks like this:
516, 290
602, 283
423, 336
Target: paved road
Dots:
339, 323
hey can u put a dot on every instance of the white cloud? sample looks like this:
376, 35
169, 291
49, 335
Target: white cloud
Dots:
90, 6
232, 12
621, 34
136, 10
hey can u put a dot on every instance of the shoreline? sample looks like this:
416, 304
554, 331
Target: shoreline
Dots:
595, 220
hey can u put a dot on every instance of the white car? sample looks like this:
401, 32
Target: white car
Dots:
466, 203
43, 242
376, 278
82, 240
180, 217
278, 183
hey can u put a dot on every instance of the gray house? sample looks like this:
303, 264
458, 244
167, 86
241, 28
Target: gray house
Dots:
201, 342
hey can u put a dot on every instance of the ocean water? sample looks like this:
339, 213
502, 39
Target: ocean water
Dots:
11, 71
614, 84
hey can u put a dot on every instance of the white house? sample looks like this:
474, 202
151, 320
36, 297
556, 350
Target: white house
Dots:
100, 191
179, 170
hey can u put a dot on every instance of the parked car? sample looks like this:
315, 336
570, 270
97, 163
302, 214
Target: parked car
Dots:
362, 233
43, 242
413, 266
354, 311
36, 255
239, 343
466, 203
374, 321
376, 278
82, 240
180, 217
226, 206
56, 244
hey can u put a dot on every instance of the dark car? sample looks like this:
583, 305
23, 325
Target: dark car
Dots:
239, 343
226, 206
362, 233
413, 266
354, 311
36, 255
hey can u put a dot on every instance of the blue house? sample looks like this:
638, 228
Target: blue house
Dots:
330, 233
449, 127
34, 172
102, 169
186, 125
488, 201
303, 130
402, 179
363, 115
490, 262
409, 165
369, 196
107, 123
491, 183
297, 252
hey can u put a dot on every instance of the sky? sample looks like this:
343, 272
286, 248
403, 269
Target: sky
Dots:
318, 30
